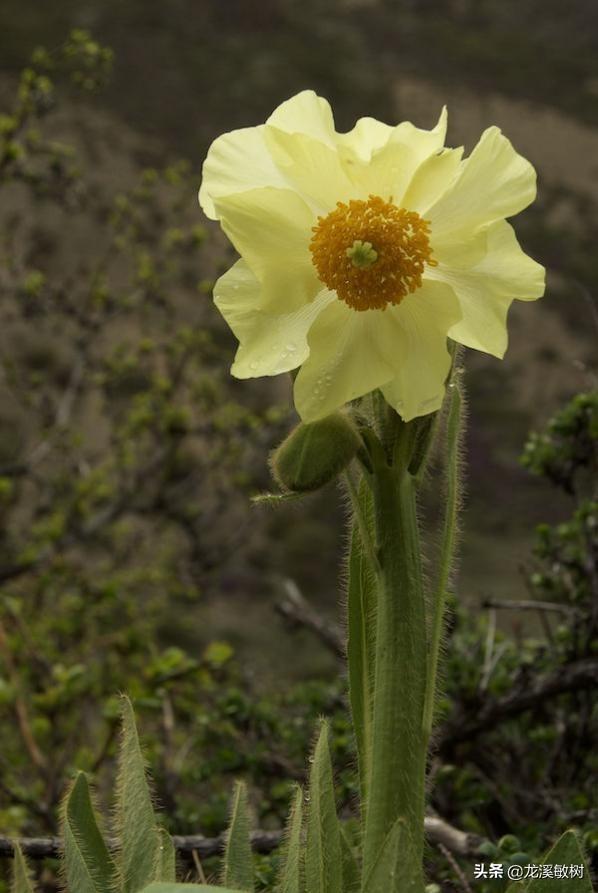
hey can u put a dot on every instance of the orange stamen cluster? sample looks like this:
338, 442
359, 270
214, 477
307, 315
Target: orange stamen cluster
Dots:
399, 238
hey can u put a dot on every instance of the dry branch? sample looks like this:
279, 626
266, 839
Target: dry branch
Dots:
438, 832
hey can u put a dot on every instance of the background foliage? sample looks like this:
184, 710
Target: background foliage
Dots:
130, 559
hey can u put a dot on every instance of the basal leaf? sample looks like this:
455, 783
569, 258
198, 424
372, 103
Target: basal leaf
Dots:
20, 881
564, 854
88, 866
165, 857
238, 861
386, 875
323, 857
135, 820
291, 880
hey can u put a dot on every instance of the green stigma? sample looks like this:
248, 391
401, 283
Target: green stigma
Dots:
361, 254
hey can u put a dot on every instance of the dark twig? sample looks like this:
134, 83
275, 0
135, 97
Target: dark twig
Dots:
438, 832
572, 677
295, 608
528, 605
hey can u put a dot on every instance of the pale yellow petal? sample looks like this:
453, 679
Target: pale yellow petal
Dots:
306, 113
345, 361
422, 363
493, 183
271, 230
367, 135
501, 273
390, 168
268, 344
432, 179
237, 161
313, 168
402, 348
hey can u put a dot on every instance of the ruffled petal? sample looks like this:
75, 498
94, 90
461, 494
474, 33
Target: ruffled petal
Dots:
402, 349
500, 273
268, 344
314, 169
367, 136
422, 362
271, 230
390, 168
236, 162
493, 183
432, 179
306, 113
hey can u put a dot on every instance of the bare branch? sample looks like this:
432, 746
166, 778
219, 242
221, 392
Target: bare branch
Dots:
572, 677
295, 608
528, 605
437, 831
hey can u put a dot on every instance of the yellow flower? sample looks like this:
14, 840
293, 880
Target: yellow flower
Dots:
362, 251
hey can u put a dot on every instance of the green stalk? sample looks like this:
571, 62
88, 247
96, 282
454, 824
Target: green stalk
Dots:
447, 550
396, 788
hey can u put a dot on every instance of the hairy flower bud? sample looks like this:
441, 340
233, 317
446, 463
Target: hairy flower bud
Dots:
315, 453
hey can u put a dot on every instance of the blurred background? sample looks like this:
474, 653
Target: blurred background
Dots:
131, 556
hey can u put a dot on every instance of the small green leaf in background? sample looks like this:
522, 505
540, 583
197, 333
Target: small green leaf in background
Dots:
165, 855
238, 861
88, 866
566, 851
21, 881
135, 820
290, 880
323, 857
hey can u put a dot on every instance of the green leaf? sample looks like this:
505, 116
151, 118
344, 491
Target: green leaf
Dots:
566, 851
165, 856
361, 611
351, 873
387, 874
135, 820
21, 881
238, 861
290, 879
323, 857
88, 866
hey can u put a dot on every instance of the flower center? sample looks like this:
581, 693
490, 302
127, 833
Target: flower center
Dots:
371, 253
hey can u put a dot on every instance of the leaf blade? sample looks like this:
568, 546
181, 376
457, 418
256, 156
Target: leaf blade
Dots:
135, 820
238, 860
88, 866
291, 875
21, 881
566, 851
323, 856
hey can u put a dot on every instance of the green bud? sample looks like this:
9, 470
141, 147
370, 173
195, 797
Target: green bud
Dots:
315, 453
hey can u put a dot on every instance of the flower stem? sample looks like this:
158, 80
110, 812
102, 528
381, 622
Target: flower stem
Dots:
396, 787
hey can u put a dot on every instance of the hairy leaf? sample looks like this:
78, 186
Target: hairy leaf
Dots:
361, 608
21, 881
291, 876
566, 851
165, 864
323, 857
238, 861
135, 820
88, 866
386, 872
